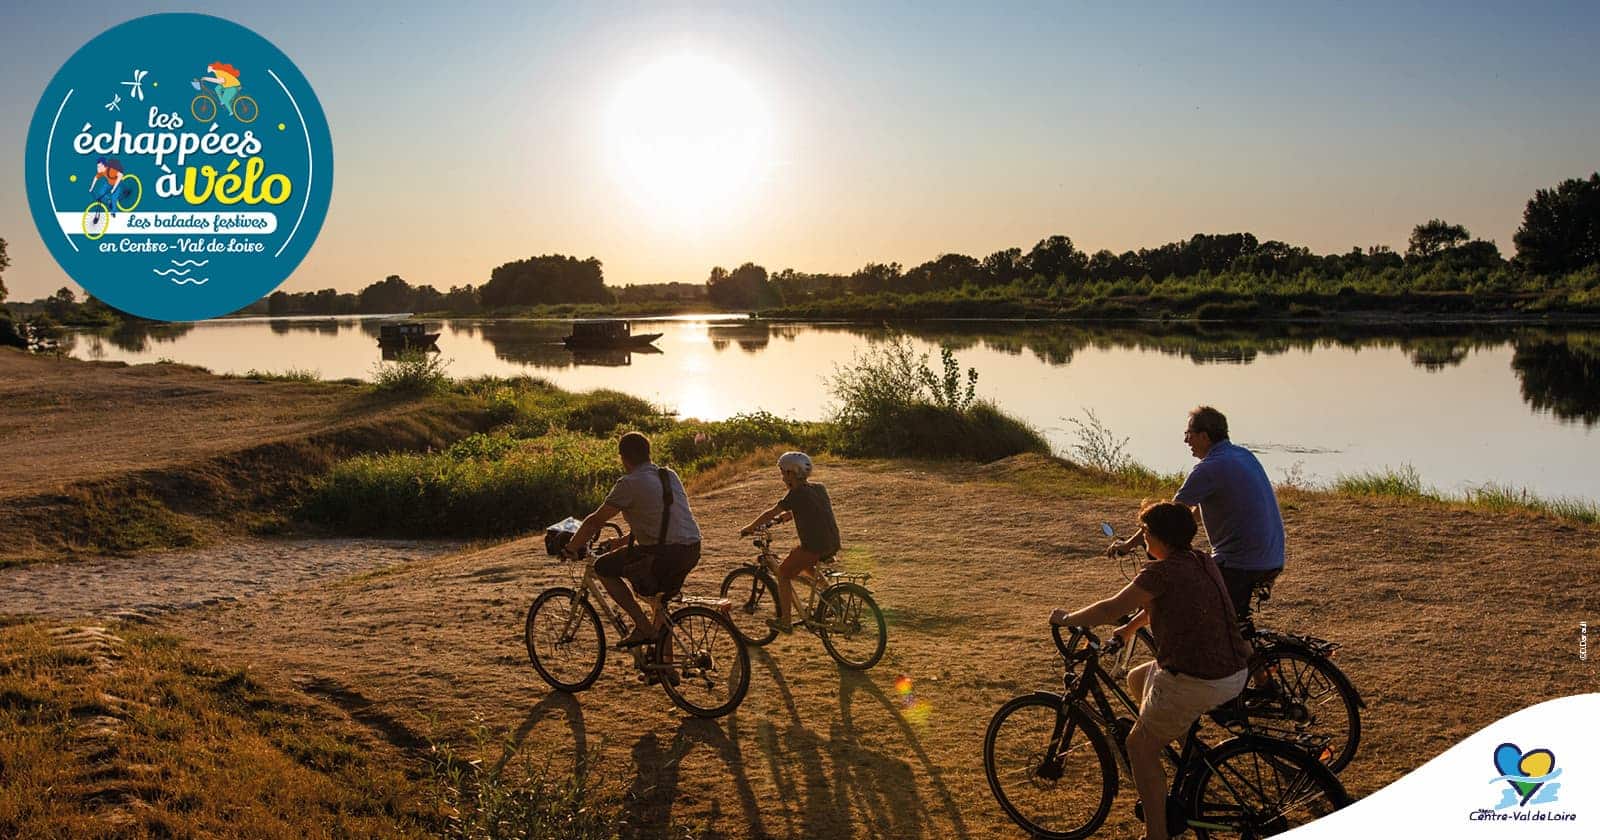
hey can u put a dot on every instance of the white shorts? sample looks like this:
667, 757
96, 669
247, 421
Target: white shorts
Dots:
1172, 702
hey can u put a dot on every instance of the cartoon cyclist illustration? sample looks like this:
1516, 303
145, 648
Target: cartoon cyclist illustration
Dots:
224, 88
107, 185
113, 190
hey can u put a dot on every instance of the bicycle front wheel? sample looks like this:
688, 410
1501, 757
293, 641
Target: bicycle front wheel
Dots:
1257, 787
755, 599
566, 643
1307, 700
709, 668
245, 110
96, 218
1050, 767
851, 626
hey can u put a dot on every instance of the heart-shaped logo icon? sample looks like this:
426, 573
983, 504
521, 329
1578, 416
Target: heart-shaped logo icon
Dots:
1510, 760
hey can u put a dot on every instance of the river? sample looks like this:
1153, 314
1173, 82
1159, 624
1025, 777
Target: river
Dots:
1462, 404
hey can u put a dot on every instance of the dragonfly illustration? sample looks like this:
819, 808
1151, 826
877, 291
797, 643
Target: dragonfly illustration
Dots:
115, 103
137, 84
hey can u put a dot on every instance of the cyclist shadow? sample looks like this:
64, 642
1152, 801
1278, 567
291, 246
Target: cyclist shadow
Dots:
655, 789
554, 703
807, 796
886, 785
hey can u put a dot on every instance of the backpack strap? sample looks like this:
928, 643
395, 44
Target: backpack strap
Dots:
666, 503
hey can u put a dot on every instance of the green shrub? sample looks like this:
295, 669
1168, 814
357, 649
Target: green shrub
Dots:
413, 372
694, 445
890, 404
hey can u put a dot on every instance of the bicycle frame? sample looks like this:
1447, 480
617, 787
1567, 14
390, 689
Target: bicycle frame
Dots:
1077, 690
587, 585
816, 580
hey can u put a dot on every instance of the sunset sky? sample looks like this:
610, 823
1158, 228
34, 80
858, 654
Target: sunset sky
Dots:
667, 138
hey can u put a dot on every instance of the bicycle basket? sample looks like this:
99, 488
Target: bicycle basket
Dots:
558, 535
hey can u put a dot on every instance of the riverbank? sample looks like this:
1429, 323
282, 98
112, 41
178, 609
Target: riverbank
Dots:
111, 458
358, 668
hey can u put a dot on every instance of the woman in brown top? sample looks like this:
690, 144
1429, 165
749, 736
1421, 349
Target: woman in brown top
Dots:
1200, 656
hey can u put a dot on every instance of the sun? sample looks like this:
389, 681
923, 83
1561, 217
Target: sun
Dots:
690, 139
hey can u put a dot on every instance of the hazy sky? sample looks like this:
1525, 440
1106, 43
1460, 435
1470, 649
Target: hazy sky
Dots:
467, 134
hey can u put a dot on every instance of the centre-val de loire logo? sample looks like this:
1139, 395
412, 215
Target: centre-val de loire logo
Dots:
1525, 780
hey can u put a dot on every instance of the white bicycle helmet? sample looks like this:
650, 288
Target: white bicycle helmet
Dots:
798, 463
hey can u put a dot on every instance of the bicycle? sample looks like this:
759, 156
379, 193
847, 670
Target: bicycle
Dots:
1295, 690
205, 105
699, 658
1043, 751
97, 216
839, 607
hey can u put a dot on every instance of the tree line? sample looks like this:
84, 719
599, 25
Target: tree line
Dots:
1560, 233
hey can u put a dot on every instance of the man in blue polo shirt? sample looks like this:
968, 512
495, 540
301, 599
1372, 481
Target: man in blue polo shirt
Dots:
1237, 505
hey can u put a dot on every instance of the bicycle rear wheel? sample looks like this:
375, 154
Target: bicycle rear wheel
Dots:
566, 643
755, 599
710, 668
1307, 700
1061, 791
1257, 787
851, 626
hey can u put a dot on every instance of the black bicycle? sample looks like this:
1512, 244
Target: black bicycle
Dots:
1052, 762
1295, 691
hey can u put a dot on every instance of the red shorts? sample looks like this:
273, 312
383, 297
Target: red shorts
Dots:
799, 560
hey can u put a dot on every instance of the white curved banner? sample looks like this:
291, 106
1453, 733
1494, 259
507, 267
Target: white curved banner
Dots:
1534, 773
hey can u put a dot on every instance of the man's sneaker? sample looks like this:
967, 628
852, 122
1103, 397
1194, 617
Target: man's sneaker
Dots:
785, 629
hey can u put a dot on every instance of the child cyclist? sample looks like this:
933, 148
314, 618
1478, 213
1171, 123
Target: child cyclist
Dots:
808, 505
1200, 657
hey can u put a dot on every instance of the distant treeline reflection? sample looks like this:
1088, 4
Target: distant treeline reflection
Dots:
1558, 370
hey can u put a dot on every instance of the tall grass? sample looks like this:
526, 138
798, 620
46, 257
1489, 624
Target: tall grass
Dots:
1502, 497
480, 487
1402, 482
890, 403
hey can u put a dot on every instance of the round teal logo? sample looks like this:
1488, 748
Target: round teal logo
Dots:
179, 167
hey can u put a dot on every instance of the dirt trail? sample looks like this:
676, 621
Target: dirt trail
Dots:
1451, 619
140, 588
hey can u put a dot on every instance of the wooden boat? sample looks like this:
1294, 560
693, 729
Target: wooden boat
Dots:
589, 335
408, 334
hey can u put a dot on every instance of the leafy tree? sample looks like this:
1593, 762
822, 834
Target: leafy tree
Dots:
5, 262
553, 278
1056, 256
278, 303
1435, 237
391, 294
1003, 267
1561, 227
743, 288
61, 305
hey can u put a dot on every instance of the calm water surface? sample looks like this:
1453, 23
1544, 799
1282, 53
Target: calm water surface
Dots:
1464, 405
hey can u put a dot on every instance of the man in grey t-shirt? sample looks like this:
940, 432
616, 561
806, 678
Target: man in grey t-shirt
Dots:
655, 563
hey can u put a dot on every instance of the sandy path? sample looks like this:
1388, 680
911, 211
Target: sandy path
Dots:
1450, 620
139, 588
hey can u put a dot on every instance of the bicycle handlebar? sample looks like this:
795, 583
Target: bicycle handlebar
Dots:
1092, 643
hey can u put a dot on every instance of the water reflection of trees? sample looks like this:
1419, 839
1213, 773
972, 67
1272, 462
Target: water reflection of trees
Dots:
137, 336
1561, 374
538, 344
